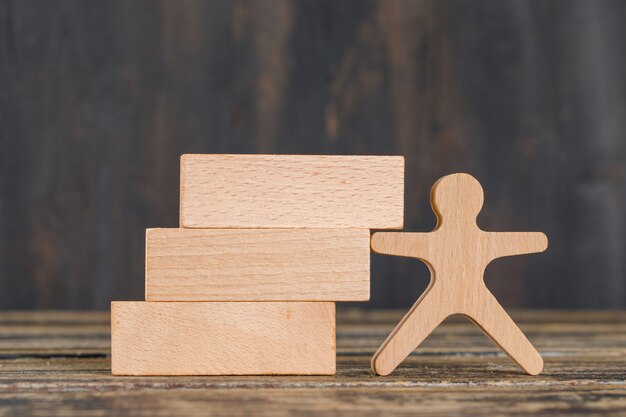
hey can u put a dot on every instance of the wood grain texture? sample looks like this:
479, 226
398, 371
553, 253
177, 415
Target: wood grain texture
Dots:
231, 338
257, 264
457, 253
315, 191
99, 99
58, 363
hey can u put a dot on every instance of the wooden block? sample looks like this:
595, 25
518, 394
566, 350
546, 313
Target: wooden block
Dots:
231, 338
257, 264
258, 191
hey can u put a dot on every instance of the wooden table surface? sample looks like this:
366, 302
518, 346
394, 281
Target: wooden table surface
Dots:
59, 363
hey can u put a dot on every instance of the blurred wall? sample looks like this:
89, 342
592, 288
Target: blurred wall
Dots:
99, 99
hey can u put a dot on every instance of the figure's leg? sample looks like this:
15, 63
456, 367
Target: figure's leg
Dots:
426, 314
497, 324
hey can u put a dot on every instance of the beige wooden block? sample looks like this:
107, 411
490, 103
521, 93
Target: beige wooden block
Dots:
230, 338
257, 264
258, 191
457, 253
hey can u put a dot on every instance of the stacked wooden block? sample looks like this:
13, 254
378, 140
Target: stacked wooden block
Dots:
247, 285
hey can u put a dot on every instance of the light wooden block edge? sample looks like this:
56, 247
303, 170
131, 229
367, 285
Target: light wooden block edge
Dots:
292, 361
396, 226
266, 264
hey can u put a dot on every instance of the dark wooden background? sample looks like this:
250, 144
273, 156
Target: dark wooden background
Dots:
99, 98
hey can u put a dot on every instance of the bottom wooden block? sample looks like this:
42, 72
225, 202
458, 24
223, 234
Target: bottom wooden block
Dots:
222, 338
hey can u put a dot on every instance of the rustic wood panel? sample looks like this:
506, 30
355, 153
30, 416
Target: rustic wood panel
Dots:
457, 371
100, 99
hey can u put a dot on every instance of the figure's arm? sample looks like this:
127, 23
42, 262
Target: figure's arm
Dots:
514, 243
413, 245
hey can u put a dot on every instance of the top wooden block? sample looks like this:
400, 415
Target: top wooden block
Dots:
263, 191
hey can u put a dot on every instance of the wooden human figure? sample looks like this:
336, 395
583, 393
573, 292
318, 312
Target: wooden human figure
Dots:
457, 253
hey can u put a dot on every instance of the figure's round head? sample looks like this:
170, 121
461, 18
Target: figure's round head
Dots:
457, 194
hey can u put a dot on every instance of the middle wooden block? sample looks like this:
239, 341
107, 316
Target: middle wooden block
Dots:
257, 264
